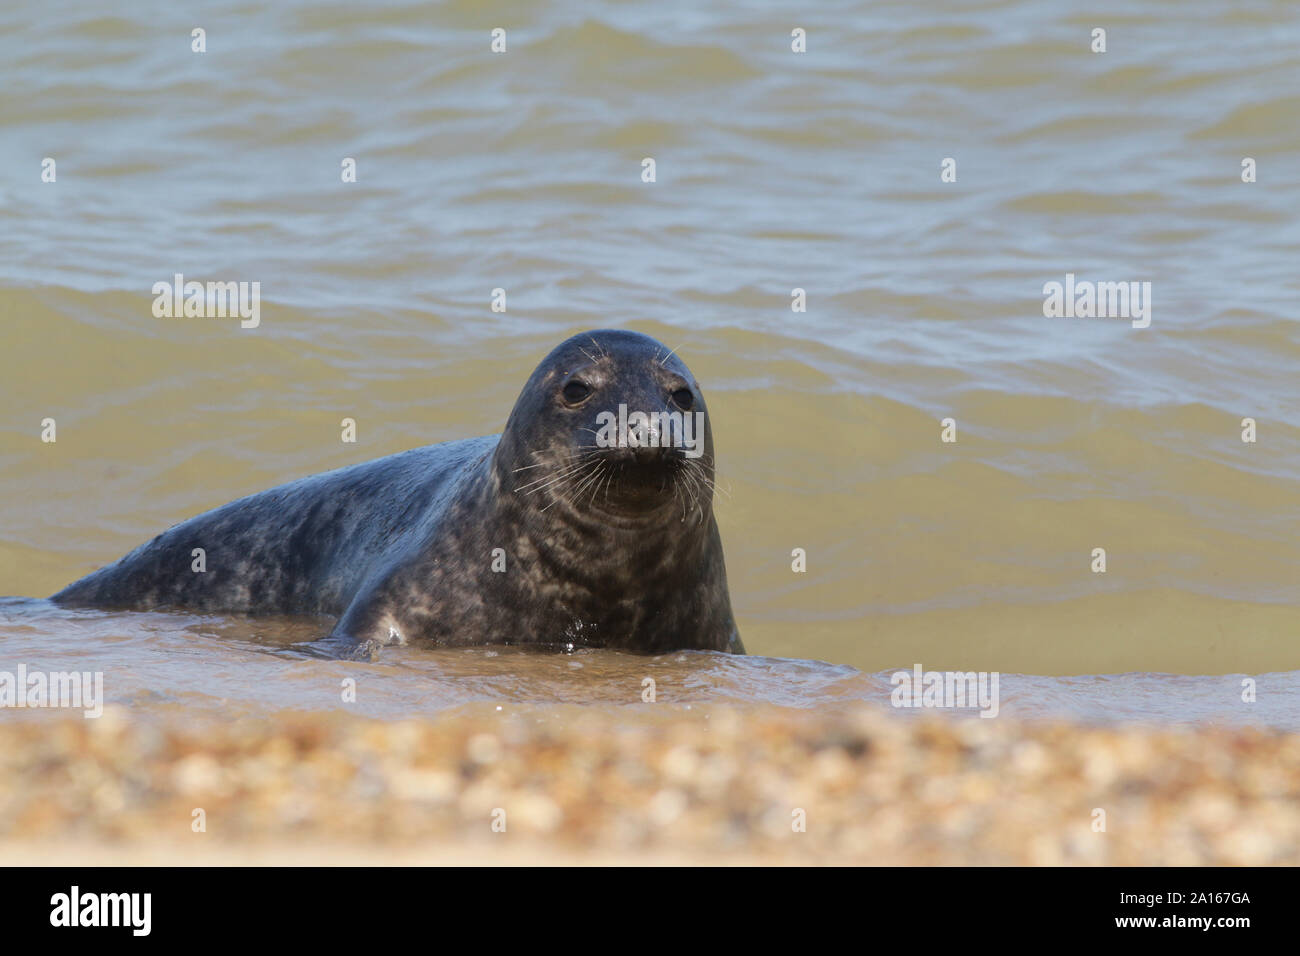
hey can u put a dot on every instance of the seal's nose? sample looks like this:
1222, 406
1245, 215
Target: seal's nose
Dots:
651, 454
641, 454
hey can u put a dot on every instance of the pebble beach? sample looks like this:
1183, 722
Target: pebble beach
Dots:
650, 785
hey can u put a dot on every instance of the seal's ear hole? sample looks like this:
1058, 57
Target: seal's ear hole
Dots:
683, 399
575, 392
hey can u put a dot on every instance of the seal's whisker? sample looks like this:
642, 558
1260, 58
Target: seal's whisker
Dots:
694, 489
544, 464
720, 489
609, 473
698, 470
546, 479
668, 356
563, 497
594, 475
702, 483
595, 484
551, 478
559, 481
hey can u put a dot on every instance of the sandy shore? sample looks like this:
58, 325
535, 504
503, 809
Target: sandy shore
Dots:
641, 785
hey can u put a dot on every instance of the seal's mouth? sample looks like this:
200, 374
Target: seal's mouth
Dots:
654, 485
643, 476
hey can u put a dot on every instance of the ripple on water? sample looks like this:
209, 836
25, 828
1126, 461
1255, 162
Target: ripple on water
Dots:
159, 665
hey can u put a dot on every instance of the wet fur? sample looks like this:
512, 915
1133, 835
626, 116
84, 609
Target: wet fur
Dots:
600, 550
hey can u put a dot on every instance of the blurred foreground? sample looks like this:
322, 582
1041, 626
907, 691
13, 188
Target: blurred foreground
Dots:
658, 784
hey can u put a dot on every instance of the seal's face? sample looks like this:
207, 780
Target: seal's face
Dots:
611, 425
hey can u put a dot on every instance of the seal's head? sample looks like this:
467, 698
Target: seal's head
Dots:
610, 426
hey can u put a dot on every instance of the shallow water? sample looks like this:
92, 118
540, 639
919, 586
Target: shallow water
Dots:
774, 171
164, 664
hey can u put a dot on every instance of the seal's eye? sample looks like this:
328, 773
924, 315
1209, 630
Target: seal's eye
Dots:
575, 392
683, 399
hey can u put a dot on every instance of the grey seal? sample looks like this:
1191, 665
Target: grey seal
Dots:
565, 530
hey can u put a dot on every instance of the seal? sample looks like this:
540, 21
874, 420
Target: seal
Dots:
583, 524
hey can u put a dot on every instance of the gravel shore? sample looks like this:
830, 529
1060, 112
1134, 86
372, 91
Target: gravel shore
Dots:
655, 784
